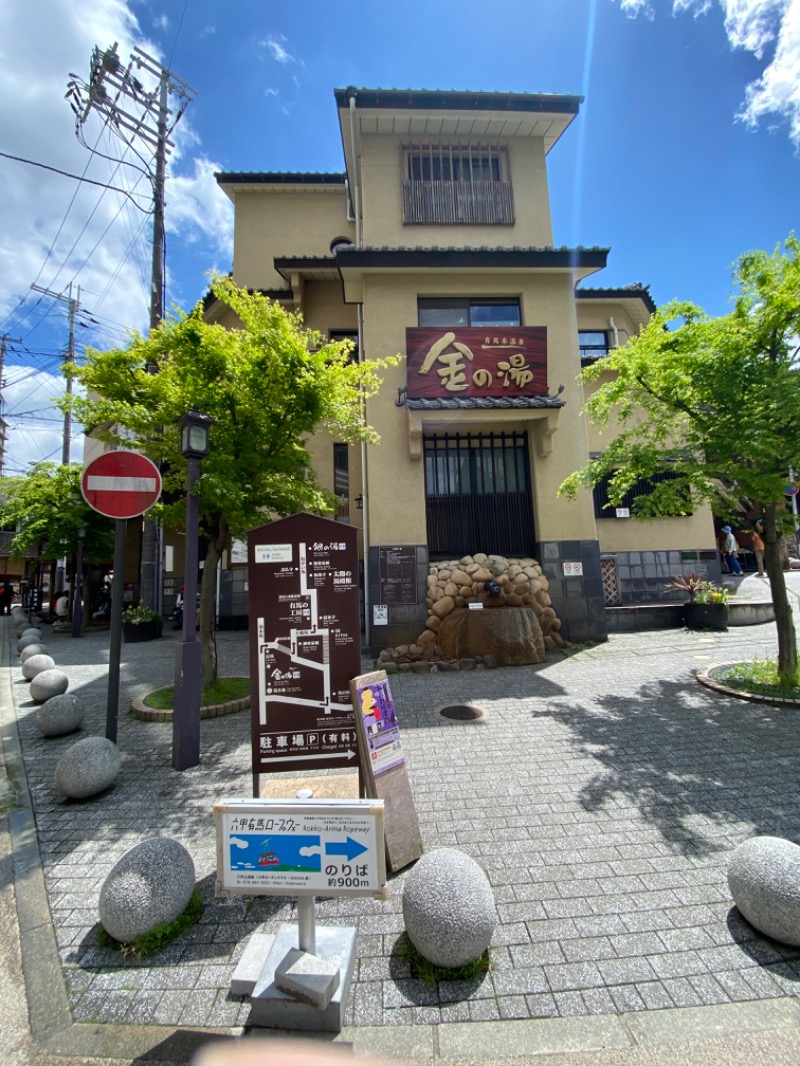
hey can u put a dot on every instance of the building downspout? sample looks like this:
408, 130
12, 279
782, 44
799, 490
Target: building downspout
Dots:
356, 182
356, 187
613, 325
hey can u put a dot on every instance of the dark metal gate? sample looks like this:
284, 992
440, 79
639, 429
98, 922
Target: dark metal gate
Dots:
478, 494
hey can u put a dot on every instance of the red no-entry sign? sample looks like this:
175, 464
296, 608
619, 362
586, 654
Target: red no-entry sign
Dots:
121, 484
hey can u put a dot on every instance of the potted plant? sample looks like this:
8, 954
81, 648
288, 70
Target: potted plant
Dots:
708, 603
141, 623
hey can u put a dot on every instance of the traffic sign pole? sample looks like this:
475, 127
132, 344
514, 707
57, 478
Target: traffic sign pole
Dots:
115, 640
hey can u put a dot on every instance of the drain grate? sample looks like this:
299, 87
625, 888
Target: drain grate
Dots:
462, 712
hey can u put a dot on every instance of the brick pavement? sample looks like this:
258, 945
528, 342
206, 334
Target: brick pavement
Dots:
602, 793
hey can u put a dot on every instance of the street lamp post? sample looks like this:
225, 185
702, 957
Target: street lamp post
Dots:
77, 603
194, 429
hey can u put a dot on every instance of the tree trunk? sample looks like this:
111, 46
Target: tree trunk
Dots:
787, 641
208, 613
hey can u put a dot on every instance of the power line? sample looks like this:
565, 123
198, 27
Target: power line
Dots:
75, 177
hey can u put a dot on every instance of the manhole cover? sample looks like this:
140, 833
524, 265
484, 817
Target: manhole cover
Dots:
461, 712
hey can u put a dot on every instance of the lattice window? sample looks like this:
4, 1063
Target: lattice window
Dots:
608, 571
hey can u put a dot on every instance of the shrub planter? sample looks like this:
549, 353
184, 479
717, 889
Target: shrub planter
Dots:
136, 632
706, 615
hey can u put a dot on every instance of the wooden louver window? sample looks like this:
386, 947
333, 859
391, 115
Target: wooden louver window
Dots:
452, 183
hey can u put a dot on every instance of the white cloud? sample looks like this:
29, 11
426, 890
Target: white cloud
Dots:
35, 430
276, 49
270, 92
195, 210
770, 30
237, 842
55, 230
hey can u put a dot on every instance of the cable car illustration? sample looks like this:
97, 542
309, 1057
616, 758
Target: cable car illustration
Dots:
268, 858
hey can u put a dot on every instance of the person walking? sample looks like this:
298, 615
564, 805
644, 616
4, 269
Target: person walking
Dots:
758, 547
730, 550
8, 590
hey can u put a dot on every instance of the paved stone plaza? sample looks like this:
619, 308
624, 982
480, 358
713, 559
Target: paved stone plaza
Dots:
602, 793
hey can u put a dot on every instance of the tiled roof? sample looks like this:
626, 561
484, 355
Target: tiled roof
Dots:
459, 99
635, 290
262, 177
349, 249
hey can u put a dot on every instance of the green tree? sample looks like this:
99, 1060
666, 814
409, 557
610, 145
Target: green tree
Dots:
715, 402
48, 510
269, 385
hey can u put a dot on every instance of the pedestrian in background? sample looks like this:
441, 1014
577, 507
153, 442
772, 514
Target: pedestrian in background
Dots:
730, 551
758, 547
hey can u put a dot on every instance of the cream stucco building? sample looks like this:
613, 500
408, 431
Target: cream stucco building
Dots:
436, 242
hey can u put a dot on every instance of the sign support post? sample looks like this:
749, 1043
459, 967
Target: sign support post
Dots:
115, 636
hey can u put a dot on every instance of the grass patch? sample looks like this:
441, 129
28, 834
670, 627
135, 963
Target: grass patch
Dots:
158, 938
426, 971
226, 688
759, 677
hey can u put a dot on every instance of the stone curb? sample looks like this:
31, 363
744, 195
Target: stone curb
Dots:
704, 677
140, 710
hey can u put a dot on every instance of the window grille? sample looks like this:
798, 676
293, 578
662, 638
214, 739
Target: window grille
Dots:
452, 183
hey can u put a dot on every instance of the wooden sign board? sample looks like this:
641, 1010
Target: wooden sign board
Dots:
383, 767
305, 644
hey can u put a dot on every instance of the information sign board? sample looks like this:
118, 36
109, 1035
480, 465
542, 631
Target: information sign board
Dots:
397, 574
383, 766
305, 643
301, 847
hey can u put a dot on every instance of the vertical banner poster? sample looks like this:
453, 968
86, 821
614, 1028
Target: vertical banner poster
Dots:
305, 643
383, 767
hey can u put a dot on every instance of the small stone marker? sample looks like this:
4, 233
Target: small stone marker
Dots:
33, 649
249, 967
60, 715
152, 883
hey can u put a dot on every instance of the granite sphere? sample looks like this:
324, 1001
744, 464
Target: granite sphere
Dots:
29, 638
60, 715
151, 883
33, 649
47, 684
764, 879
87, 768
448, 908
36, 664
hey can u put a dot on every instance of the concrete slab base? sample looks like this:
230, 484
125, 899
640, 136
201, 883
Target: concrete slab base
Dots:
273, 1009
250, 965
307, 977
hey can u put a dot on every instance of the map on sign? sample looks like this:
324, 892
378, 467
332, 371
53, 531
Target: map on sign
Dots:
278, 847
304, 608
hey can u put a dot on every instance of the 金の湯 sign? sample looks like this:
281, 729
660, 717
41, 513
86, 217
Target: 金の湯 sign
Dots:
470, 362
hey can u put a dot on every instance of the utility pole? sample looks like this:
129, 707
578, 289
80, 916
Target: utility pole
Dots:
147, 117
5, 340
72, 308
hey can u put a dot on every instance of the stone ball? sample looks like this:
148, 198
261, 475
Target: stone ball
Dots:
764, 879
448, 908
36, 664
47, 684
60, 715
151, 883
29, 638
87, 768
31, 631
32, 649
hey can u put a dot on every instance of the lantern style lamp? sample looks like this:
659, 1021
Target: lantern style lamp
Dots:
194, 428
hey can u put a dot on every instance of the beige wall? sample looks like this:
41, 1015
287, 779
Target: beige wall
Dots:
270, 223
395, 479
382, 204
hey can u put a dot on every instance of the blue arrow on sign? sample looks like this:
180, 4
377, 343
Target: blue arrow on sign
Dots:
350, 848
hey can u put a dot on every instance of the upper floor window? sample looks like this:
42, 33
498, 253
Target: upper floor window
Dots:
466, 311
593, 344
452, 183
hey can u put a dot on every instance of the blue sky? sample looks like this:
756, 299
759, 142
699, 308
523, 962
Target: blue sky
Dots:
684, 154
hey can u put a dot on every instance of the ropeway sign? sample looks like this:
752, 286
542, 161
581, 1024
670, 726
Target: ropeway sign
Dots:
121, 484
